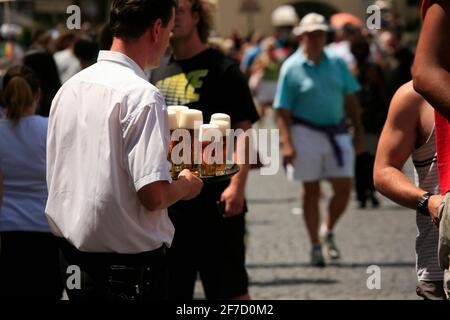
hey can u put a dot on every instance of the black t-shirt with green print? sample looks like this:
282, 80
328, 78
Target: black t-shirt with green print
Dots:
210, 82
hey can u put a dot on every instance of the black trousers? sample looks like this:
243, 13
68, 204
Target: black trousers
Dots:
113, 276
364, 184
29, 266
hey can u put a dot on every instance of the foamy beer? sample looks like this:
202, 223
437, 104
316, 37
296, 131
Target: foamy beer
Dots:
175, 169
191, 120
177, 110
208, 135
221, 116
223, 127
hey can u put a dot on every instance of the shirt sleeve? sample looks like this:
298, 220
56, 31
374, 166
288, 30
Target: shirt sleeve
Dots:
351, 85
146, 140
284, 97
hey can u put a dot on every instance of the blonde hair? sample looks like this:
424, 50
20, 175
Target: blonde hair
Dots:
205, 9
20, 86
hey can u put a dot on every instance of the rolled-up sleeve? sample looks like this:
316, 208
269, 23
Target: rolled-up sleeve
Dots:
284, 97
146, 140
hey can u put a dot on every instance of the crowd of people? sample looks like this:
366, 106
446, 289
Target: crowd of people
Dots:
83, 154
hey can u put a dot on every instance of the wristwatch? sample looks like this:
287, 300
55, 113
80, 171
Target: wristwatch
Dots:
422, 205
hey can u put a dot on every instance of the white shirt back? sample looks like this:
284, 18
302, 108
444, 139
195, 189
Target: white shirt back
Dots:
108, 137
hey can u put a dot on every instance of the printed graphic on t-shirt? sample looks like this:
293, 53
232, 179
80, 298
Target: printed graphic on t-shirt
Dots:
182, 88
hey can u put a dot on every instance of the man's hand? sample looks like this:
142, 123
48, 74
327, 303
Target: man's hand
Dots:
434, 203
193, 184
234, 199
289, 153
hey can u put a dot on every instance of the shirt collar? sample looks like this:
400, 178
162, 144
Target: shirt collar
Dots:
303, 59
114, 56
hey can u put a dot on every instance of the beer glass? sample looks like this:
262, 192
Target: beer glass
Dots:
175, 168
208, 132
177, 110
224, 126
191, 120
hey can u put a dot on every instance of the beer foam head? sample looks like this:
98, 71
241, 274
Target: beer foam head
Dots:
177, 110
221, 116
223, 126
173, 122
190, 119
207, 131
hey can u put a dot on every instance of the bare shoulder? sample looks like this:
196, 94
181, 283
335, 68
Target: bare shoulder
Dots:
406, 105
407, 97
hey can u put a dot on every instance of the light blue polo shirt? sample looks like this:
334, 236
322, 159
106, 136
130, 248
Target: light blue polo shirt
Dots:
315, 92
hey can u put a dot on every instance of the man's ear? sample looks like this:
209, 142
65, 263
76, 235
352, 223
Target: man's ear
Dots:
155, 30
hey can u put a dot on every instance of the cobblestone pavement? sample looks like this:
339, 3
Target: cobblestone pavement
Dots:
279, 251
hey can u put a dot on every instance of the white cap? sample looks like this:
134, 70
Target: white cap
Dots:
190, 119
223, 126
311, 22
221, 116
284, 15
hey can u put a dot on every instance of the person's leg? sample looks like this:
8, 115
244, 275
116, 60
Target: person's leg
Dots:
30, 266
360, 181
234, 280
342, 188
311, 209
311, 216
182, 257
340, 177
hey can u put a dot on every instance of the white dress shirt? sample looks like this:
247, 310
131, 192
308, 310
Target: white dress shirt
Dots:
108, 137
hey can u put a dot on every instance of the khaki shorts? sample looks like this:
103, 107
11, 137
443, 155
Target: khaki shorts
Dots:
315, 159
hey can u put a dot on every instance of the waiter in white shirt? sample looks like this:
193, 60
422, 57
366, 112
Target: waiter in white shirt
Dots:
107, 170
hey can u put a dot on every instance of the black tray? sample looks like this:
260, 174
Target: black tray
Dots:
231, 170
229, 173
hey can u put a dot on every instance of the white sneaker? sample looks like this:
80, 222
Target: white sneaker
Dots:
330, 247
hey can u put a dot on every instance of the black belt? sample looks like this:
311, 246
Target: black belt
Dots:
72, 254
331, 131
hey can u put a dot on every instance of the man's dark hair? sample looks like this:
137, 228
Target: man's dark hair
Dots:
129, 19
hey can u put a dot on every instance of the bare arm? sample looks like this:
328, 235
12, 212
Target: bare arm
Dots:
431, 72
234, 195
162, 194
354, 112
240, 179
396, 144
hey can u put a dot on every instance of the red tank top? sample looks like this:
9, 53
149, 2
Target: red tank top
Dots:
442, 134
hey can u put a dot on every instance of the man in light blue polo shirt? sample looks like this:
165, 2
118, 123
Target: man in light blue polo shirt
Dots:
314, 92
